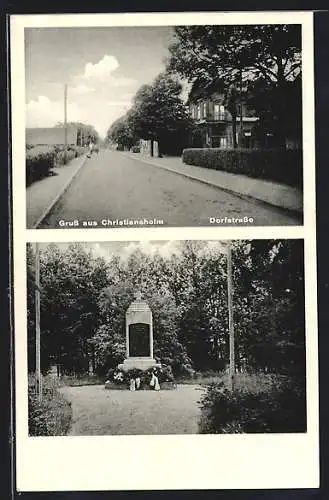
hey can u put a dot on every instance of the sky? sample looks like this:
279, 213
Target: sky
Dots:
103, 68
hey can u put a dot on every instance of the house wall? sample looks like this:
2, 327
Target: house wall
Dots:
214, 123
50, 136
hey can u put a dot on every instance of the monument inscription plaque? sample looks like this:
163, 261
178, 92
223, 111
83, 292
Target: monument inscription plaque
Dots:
139, 339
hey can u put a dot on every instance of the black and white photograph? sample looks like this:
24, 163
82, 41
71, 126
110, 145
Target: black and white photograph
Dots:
173, 337
164, 251
192, 125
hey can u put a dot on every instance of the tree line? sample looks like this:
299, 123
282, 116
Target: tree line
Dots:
86, 133
259, 65
84, 299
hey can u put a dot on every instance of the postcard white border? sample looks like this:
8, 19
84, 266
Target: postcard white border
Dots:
162, 462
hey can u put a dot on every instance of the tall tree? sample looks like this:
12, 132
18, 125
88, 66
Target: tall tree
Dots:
159, 114
240, 56
121, 133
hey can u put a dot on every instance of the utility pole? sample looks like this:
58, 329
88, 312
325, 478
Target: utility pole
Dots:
65, 123
38, 380
230, 315
241, 112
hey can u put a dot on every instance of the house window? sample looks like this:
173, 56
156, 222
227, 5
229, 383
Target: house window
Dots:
198, 112
204, 110
216, 111
219, 112
223, 142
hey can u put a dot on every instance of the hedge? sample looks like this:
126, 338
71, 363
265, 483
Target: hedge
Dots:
52, 416
60, 157
268, 164
272, 409
39, 161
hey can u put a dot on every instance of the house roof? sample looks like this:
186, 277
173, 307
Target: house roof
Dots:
202, 89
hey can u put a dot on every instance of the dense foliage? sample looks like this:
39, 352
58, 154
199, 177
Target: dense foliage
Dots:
84, 299
52, 415
268, 164
279, 406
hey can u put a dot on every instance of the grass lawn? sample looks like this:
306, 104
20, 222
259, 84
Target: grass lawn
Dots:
97, 411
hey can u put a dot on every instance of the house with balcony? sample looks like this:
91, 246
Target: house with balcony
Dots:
214, 124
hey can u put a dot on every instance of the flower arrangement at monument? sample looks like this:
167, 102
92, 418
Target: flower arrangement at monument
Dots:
136, 379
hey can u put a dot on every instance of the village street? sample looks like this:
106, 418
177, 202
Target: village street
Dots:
114, 186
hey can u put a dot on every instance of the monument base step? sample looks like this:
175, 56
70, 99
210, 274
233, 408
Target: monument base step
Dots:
164, 386
139, 363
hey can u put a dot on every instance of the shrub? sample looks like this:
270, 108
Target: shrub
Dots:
267, 164
60, 156
51, 416
79, 150
39, 161
276, 408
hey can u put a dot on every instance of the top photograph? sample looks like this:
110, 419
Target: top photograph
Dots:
164, 126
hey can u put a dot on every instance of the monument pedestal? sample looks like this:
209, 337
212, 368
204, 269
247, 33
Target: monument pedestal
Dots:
138, 362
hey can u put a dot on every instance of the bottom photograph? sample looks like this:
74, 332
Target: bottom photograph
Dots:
166, 337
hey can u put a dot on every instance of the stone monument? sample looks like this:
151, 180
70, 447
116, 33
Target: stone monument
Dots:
139, 337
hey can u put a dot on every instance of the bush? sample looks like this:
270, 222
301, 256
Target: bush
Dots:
50, 417
276, 408
39, 161
60, 156
76, 150
269, 164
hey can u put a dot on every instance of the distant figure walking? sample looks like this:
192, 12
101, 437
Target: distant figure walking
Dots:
90, 147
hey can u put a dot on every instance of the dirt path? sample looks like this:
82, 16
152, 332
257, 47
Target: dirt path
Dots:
97, 411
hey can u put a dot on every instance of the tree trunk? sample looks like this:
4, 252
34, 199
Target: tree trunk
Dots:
235, 142
280, 99
152, 147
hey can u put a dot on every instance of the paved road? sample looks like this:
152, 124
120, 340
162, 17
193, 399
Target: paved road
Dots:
114, 186
98, 411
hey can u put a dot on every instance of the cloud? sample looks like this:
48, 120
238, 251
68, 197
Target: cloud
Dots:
45, 113
81, 89
103, 69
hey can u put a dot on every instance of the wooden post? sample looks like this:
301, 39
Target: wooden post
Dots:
241, 111
65, 124
230, 315
37, 324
